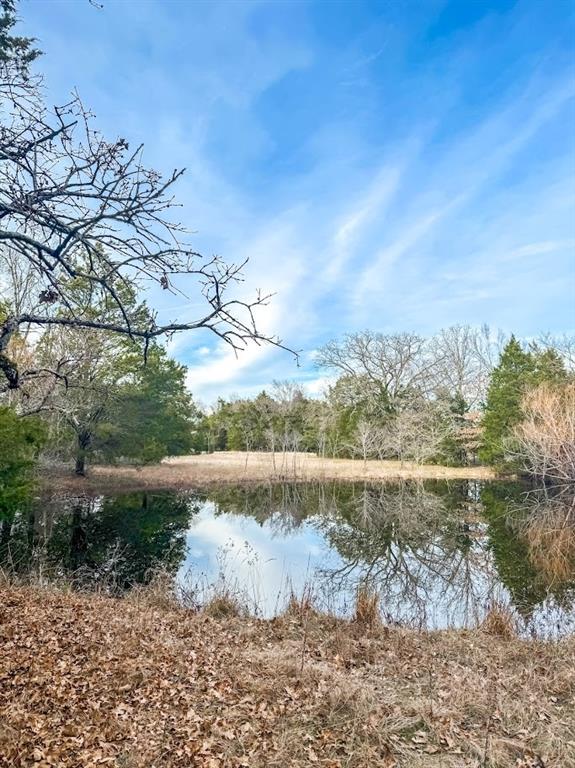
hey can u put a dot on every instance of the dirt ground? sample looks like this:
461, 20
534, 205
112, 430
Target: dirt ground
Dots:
234, 467
139, 682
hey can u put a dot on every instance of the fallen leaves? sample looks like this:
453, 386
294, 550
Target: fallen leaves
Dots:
88, 681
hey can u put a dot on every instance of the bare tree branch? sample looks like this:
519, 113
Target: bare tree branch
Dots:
76, 207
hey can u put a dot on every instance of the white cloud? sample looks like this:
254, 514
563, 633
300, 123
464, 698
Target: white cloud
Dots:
349, 229
538, 249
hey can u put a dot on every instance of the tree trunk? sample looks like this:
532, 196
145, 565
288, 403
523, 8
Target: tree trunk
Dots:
80, 464
5, 532
7, 366
83, 445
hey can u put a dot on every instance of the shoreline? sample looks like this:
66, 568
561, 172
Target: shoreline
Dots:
139, 681
208, 470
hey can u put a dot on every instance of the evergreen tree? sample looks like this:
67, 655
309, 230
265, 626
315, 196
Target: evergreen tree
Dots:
549, 367
20, 441
151, 414
509, 380
517, 371
14, 48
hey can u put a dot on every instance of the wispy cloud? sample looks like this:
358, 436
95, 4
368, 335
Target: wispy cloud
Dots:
436, 188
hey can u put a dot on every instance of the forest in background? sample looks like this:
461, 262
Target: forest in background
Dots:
462, 397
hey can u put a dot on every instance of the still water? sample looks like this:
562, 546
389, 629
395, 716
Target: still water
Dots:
439, 554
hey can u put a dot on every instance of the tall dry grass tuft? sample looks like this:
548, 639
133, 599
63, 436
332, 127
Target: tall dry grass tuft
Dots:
300, 607
223, 606
158, 592
499, 622
366, 607
163, 592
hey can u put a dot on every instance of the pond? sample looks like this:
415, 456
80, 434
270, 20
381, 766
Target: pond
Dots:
439, 554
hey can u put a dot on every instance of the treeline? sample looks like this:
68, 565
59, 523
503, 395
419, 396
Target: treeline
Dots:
463, 396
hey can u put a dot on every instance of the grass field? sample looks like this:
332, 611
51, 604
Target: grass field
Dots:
235, 467
140, 682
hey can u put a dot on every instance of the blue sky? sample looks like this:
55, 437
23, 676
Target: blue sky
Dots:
386, 165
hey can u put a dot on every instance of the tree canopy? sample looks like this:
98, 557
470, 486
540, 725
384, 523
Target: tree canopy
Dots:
20, 442
14, 49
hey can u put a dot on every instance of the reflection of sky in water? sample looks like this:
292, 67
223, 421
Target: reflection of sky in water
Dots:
264, 563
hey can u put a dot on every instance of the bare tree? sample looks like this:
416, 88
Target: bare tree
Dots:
19, 289
367, 442
546, 436
489, 345
393, 366
465, 357
18, 285
86, 361
416, 433
74, 206
563, 344
289, 400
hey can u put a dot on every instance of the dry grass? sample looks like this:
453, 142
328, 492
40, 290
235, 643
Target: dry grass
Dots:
233, 467
366, 607
499, 622
142, 683
222, 607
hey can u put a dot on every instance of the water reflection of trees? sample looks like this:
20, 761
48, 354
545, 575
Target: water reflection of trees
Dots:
117, 541
436, 552
417, 544
532, 538
282, 507
548, 524
418, 547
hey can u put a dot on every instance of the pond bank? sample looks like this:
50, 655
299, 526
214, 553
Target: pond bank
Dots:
207, 470
140, 682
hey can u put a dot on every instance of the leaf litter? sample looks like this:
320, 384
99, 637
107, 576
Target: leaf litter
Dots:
88, 680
